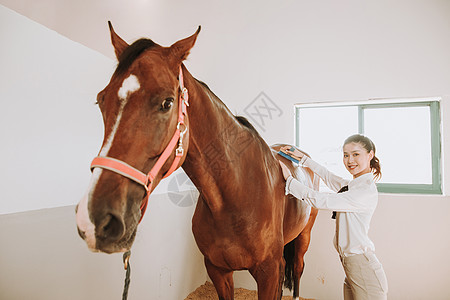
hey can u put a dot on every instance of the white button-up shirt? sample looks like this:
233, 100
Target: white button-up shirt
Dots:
354, 208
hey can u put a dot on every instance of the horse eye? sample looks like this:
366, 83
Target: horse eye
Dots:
167, 104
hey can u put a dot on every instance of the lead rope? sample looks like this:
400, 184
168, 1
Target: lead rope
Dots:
126, 262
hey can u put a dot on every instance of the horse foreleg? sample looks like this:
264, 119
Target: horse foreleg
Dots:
222, 280
269, 277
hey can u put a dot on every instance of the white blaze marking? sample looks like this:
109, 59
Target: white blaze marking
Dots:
129, 85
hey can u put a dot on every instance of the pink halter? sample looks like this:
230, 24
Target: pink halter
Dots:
146, 180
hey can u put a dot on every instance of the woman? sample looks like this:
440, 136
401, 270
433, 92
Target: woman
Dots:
354, 207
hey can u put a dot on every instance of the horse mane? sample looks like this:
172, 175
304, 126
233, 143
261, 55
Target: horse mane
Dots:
246, 123
131, 53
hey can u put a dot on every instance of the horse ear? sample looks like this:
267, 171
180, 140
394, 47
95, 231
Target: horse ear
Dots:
180, 50
118, 43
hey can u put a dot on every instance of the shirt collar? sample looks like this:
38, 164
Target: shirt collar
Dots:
368, 177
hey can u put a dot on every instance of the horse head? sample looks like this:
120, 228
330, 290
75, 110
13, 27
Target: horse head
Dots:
143, 108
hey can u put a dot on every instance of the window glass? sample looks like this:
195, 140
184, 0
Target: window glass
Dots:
403, 140
322, 132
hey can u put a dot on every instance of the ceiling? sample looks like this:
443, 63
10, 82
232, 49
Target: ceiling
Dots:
85, 21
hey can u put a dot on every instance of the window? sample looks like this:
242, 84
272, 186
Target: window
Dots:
406, 134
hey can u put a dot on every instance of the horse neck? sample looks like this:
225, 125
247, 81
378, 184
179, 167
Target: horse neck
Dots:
221, 150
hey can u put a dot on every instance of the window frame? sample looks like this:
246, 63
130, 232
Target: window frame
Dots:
435, 126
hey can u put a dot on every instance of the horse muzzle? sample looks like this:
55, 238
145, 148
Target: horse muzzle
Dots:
106, 232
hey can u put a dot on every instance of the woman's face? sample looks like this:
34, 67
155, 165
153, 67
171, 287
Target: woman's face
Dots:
357, 159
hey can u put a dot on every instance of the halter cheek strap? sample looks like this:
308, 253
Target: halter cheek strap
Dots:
146, 180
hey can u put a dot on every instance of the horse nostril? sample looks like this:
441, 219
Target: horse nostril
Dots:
112, 228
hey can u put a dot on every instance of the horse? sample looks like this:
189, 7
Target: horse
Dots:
158, 117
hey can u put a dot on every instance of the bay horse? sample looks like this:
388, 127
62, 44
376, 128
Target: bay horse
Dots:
158, 117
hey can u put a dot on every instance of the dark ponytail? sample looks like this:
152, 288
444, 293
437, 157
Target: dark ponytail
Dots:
376, 168
369, 146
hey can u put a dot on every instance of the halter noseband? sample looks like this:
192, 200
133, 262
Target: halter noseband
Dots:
146, 180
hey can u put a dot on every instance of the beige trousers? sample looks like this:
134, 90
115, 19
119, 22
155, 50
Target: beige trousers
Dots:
364, 278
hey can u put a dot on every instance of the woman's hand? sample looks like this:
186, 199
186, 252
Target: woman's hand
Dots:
285, 169
295, 154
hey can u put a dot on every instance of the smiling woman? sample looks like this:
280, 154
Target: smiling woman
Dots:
356, 160
354, 205
359, 156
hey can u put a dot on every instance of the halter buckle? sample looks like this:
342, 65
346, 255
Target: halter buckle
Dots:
179, 151
185, 95
182, 132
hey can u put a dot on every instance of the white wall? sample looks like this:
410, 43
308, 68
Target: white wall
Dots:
49, 125
307, 51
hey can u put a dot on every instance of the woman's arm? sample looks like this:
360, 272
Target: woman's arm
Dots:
351, 201
333, 181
